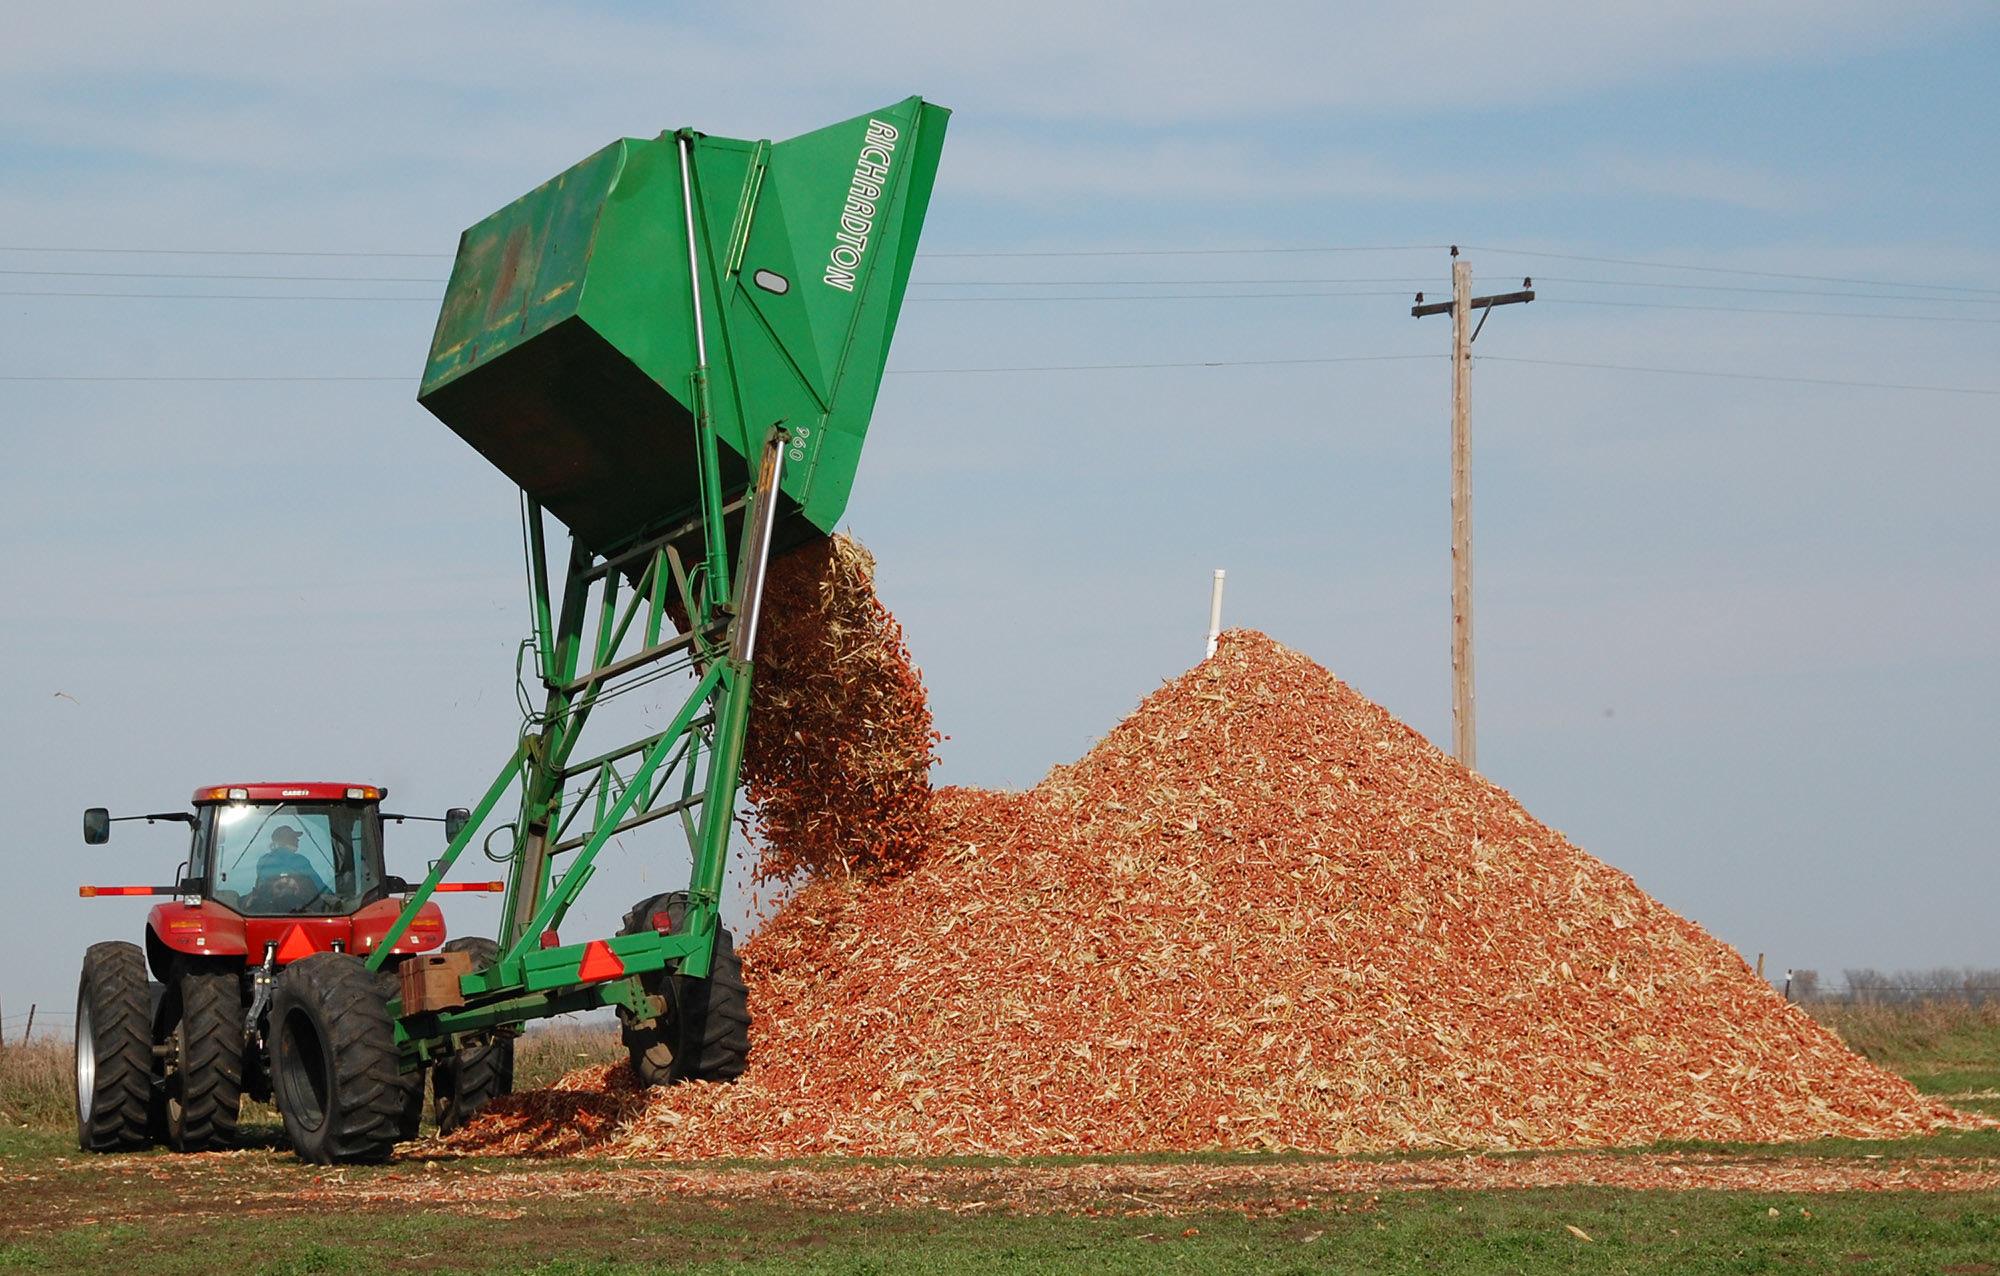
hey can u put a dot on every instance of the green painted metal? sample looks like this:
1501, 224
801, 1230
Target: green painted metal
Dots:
673, 348
566, 351
509, 774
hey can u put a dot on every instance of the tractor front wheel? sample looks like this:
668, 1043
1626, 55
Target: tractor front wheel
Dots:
334, 1070
705, 1034
464, 1080
204, 1081
114, 1049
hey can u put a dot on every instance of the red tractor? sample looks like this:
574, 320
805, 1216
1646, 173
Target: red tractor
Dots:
256, 954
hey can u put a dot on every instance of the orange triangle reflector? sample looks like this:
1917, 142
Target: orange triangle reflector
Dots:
295, 945
599, 963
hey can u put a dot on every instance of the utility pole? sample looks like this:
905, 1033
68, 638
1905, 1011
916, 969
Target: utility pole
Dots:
1463, 334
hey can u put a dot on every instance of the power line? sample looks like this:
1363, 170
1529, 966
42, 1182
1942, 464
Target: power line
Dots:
433, 300
1127, 367
1761, 310
1173, 296
1728, 270
1194, 252
971, 283
213, 296
1048, 367
1409, 280
1788, 292
1088, 253
156, 274
1052, 298
94, 377
1113, 252
216, 252
1412, 280
1205, 363
1739, 376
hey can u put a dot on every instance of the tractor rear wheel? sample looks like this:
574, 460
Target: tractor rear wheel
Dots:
705, 1034
463, 1081
204, 1081
114, 1049
334, 1070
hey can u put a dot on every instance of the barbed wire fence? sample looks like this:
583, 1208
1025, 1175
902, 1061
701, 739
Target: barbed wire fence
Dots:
1867, 986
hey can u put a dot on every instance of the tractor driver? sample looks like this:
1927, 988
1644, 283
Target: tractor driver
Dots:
286, 881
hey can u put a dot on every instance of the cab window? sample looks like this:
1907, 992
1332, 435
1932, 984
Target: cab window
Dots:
295, 858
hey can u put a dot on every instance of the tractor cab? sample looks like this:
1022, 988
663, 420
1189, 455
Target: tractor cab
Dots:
306, 850
275, 872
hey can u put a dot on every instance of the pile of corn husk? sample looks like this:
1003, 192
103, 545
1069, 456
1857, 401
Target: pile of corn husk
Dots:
837, 765
1260, 914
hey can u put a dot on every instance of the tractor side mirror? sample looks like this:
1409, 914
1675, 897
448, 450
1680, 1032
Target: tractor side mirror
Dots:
455, 821
97, 826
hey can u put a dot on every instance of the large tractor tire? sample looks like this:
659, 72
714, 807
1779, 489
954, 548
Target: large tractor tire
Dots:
463, 1081
705, 1034
333, 1066
203, 1086
411, 1118
114, 1049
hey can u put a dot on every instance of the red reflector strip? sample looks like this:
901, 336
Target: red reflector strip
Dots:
88, 891
599, 963
470, 886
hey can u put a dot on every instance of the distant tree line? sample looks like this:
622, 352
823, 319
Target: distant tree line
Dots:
1875, 987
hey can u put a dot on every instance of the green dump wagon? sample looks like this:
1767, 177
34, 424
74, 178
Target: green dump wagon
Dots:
567, 350
674, 349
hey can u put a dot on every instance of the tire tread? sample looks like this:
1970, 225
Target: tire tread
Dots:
115, 983
211, 1064
367, 1092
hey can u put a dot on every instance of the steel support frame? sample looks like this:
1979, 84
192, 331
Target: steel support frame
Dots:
575, 808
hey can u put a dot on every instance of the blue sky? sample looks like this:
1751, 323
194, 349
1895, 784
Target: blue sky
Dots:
1735, 635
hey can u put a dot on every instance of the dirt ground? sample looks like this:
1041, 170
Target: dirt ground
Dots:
55, 1192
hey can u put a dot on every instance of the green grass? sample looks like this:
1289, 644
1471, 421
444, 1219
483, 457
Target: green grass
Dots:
1930, 1036
1441, 1232
1947, 1048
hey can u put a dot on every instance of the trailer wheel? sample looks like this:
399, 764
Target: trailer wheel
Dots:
204, 1082
463, 1081
114, 1049
333, 1061
705, 1034
411, 1118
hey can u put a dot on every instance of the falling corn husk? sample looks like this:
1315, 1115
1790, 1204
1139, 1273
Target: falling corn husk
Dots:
837, 766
